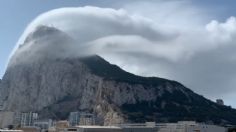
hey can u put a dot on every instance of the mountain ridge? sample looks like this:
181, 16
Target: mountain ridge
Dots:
56, 86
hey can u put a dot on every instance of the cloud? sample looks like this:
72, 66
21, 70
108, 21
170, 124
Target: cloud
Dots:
144, 38
222, 32
87, 25
98, 22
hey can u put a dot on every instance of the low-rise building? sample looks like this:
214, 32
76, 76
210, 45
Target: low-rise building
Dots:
189, 126
16, 119
183, 126
74, 118
7, 118
60, 126
29, 129
93, 129
28, 119
140, 127
52, 129
81, 118
5, 130
147, 127
44, 125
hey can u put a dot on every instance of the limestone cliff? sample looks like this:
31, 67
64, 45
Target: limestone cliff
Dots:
54, 86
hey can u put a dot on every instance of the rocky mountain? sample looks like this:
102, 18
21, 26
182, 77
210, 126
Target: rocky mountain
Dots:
54, 86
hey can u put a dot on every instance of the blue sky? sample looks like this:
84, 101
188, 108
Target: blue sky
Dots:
15, 15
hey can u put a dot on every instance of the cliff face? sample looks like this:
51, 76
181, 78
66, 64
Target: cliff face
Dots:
55, 86
68, 85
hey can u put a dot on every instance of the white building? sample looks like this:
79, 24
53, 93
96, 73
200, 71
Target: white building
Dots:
4, 130
182, 126
81, 118
43, 124
142, 127
74, 118
93, 129
28, 119
189, 126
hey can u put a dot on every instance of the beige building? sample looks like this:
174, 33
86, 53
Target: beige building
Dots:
6, 119
61, 125
30, 129
52, 129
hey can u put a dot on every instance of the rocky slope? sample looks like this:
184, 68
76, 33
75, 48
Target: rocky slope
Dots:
55, 86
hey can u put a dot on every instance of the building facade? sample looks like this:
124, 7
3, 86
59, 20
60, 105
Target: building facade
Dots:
43, 124
28, 119
189, 126
81, 118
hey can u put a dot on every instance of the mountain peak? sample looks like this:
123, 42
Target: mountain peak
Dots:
42, 31
44, 42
